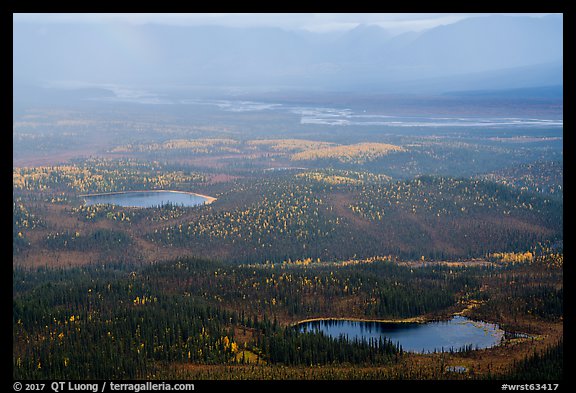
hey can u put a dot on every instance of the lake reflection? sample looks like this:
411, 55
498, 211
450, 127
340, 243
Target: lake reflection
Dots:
147, 199
454, 334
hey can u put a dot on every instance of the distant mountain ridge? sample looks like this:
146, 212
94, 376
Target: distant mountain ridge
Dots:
366, 57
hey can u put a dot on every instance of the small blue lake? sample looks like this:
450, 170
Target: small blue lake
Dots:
147, 198
455, 333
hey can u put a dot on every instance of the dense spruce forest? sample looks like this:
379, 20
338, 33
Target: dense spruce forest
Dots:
113, 322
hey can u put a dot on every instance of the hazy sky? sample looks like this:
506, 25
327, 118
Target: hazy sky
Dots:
394, 22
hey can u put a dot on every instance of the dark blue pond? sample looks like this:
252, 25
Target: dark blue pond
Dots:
454, 334
147, 198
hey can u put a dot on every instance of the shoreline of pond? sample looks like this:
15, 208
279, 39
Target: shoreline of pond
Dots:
208, 198
435, 317
418, 319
